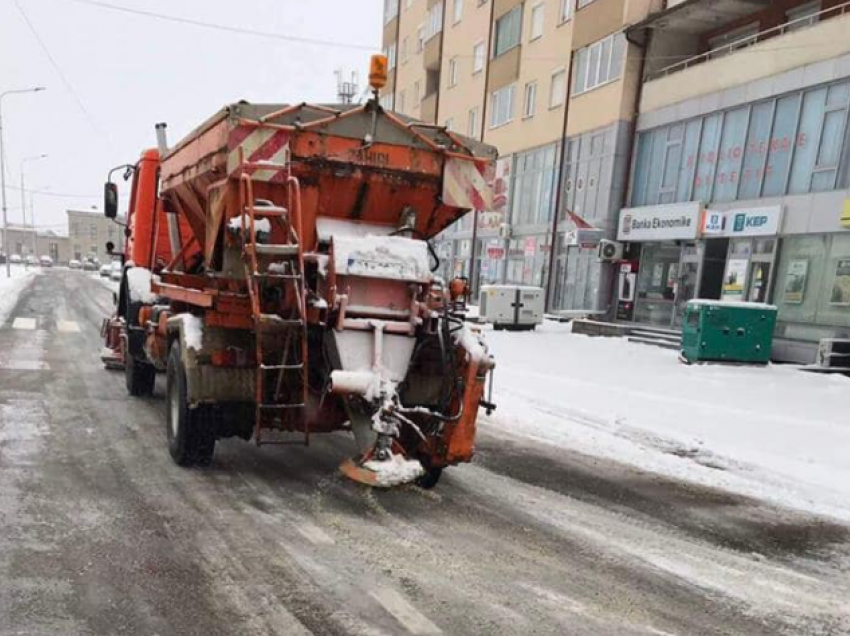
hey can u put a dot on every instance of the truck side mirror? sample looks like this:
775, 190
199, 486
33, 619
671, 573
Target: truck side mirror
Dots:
110, 200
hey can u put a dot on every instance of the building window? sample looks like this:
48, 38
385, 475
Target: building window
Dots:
803, 16
404, 50
93, 231
401, 96
390, 52
453, 66
599, 63
478, 54
408, 3
581, 4
416, 94
791, 144
457, 15
566, 11
529, 101
472, 125
450, 124
502, 106
558, 88
537, 18
434, 25
420, 38
507, 31
390, 10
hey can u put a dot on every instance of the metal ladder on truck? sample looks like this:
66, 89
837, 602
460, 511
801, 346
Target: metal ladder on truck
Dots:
276, 270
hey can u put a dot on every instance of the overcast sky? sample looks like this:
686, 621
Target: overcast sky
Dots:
130, 71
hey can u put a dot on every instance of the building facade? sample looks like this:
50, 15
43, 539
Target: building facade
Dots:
740, 179
552, 84
89, 231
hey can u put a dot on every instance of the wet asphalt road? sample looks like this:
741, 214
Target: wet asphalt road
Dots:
101, 534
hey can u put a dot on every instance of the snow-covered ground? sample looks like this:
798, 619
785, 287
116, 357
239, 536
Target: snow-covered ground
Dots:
775, 433
11, 288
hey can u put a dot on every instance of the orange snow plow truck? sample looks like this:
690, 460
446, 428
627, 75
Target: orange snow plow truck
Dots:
278, 270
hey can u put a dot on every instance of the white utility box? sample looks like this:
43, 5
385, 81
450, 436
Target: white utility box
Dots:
511, 306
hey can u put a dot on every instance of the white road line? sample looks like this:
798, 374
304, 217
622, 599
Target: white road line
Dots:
314, 534
23, 365
404, 612
24, 323
67, 326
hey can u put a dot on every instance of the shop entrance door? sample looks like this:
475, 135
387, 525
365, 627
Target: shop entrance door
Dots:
687, 286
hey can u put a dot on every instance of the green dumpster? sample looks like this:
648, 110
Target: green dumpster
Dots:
716, 330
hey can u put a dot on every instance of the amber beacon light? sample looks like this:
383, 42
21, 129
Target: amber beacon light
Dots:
378, 72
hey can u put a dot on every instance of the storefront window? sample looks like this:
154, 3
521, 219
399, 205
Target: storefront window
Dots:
813, 280
656, 283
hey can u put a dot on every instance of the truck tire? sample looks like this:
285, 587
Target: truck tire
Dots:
139, 376
191, 434
430, 478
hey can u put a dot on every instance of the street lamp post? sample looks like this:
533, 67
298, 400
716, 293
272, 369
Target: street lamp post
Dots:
24, 203
3, 173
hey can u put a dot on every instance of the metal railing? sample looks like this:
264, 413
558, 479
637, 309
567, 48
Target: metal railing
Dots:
750, 40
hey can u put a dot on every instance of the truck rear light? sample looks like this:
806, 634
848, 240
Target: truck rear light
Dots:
230, 357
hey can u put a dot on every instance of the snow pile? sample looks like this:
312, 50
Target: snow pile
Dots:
472, 341
193, 332
260, 225
774, 433
394, 471
11, 288
139, 282
389, 257
730, 303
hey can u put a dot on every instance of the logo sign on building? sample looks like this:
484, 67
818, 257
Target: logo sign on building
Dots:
495, 252
676, 221
763, 221
714, 223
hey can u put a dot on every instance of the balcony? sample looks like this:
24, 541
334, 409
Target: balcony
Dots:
816, 37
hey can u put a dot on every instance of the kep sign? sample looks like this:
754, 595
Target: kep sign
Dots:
763, 221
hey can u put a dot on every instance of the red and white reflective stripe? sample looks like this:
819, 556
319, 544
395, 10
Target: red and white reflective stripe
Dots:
257, 145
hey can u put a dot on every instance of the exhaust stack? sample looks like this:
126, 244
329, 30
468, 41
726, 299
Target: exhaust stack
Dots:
173, 224
161, 139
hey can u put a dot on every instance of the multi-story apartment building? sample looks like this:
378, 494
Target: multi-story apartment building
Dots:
90, 230
740, 183
531, 77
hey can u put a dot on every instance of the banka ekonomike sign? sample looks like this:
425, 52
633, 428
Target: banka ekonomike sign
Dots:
676, 221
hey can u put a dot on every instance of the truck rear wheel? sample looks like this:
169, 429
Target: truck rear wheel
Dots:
191, 434
140, 377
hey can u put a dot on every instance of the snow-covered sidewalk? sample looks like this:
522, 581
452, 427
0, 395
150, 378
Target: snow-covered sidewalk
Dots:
11, 288
775, 433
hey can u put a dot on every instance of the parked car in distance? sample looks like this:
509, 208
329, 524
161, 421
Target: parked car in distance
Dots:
2, 258
90, 266
16, 259
74, 264
45, 261
116, 269
32, 260
105, 270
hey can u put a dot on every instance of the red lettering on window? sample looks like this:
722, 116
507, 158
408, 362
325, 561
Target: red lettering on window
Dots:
801, 140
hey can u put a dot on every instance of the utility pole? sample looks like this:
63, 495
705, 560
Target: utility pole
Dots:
24, 203
3, 173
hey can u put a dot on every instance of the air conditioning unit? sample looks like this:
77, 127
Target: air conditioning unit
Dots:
513, 307
610, 250
505, 231
833, 353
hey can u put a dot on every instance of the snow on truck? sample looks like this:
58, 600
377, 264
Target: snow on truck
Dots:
278, 269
